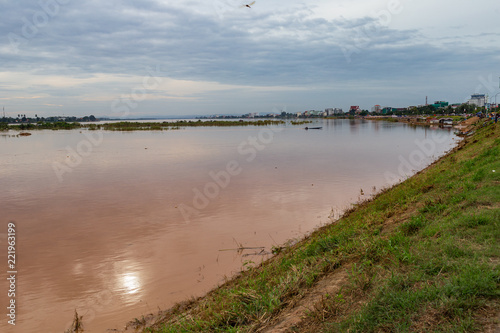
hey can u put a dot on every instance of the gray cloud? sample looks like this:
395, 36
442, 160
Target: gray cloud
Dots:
286, 48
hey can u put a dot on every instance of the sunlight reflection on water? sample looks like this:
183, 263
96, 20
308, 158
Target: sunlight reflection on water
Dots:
130, 283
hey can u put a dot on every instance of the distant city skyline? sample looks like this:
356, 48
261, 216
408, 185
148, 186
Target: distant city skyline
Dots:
479, 100
155, 58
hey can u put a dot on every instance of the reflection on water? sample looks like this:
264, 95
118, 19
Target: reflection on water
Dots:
110, 240
130, 283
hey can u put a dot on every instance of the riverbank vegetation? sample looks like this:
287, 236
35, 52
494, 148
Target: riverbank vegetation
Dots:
136, 126
422, 256
59, 125
300, 122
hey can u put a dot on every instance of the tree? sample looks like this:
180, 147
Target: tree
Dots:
465, 108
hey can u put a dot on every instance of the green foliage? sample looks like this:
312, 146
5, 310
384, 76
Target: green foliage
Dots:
473, 280
327, 244
58, 125
413, 225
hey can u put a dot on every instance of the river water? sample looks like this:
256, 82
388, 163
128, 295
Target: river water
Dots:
117, 225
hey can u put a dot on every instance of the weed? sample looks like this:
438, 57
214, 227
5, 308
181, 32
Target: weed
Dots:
76, 325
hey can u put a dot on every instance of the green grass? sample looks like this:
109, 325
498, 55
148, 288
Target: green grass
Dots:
422, 256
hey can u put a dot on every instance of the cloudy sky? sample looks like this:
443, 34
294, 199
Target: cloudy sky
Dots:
160, 57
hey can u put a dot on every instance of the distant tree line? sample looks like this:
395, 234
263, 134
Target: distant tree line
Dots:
22, 118
431, 109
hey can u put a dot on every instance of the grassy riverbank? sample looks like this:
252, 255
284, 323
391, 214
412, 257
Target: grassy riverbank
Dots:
422, 256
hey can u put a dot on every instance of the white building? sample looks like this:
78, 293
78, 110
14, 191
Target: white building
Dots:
479, 100
332, 111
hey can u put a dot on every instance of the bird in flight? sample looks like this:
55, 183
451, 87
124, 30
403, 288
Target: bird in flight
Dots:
249, 5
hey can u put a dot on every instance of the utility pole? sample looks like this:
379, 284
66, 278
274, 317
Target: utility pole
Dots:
496, 105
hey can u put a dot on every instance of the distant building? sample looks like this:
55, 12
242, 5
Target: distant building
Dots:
333, 111
387, 109
310, 113
377, 109
440, 104
478, 99
354, 109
